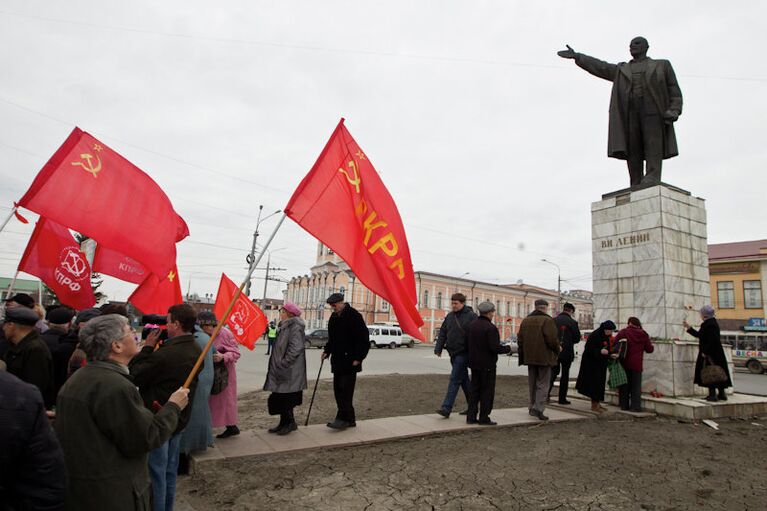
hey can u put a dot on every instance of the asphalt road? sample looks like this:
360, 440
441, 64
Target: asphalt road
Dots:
251, 368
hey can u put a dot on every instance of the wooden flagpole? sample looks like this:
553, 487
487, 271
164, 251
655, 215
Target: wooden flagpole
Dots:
8, 218
222, 320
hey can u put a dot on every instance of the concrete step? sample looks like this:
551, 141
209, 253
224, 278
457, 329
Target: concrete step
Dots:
319, 436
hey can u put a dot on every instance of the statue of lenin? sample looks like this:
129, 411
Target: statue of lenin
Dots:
645, 103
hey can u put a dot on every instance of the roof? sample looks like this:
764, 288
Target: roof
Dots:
20, 286
755, 249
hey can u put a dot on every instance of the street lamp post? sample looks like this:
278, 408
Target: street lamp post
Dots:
559, 284
252, 256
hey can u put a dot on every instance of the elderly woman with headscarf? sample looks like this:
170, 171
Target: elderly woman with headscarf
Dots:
593, 371
286, 377
223, 406
710, 351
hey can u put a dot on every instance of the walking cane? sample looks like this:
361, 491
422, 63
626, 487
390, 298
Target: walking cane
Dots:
311, 403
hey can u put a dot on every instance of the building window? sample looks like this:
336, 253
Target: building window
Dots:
384, 306
438, 305
725, 295
498, 307
519, 310
426, 298
508, 308
752, 294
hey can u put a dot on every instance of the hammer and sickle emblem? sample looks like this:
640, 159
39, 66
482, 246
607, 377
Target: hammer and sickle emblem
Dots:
355, 180
87, 164
171, 275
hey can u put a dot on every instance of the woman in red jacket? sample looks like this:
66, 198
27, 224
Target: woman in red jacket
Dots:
637, 344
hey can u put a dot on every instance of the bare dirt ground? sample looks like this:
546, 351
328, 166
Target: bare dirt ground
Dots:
611, 463
379, 396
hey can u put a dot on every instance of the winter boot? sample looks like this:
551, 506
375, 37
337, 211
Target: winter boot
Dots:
722, 395
712, 394
278, 427
289, 426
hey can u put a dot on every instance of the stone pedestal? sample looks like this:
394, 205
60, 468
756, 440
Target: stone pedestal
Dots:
671, 367
650, 259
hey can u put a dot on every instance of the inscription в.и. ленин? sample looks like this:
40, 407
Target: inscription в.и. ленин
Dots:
624, 241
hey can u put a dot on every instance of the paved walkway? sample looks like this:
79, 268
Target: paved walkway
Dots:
319, 436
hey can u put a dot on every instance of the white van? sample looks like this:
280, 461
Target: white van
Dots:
385, 335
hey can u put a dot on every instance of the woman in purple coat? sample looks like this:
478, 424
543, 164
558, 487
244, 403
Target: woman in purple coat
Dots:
223, 406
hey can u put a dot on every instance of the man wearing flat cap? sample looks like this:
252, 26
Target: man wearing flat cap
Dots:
28, 357
17, 300
347, 346
484, 347
538, 349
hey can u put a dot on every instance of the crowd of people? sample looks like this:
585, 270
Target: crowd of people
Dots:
546, 345
96, 416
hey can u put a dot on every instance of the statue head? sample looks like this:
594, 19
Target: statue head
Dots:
638, 47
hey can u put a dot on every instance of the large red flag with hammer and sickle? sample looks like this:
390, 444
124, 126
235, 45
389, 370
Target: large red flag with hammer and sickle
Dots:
155, 295
246, 321
343, 203
54, 256
90, 188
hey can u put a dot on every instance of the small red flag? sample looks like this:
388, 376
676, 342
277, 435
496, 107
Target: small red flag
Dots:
54, 256
343, 203
246, 321
156, 295
18, 215
90, 188
113, 263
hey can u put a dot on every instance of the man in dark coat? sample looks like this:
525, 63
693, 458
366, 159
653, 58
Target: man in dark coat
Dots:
17, 300
28, 357
538, 350
103, 426
484, 347
645, 103
60, 343
158, 373
454, 337
32, 470
710, 351
569, 336
347, 346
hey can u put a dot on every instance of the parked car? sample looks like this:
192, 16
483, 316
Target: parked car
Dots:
316, 339
385, 335
512, 341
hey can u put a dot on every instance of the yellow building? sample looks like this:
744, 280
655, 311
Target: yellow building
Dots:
738, 275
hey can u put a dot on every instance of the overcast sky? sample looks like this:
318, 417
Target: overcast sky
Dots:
491, 145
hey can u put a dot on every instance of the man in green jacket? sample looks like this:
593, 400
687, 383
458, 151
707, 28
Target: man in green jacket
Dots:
538, 350
103, 427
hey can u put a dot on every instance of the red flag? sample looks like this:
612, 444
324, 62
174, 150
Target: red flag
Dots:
18, 215
343, 203
112, 262
155, 295
93, 190
246, 321
53, 255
